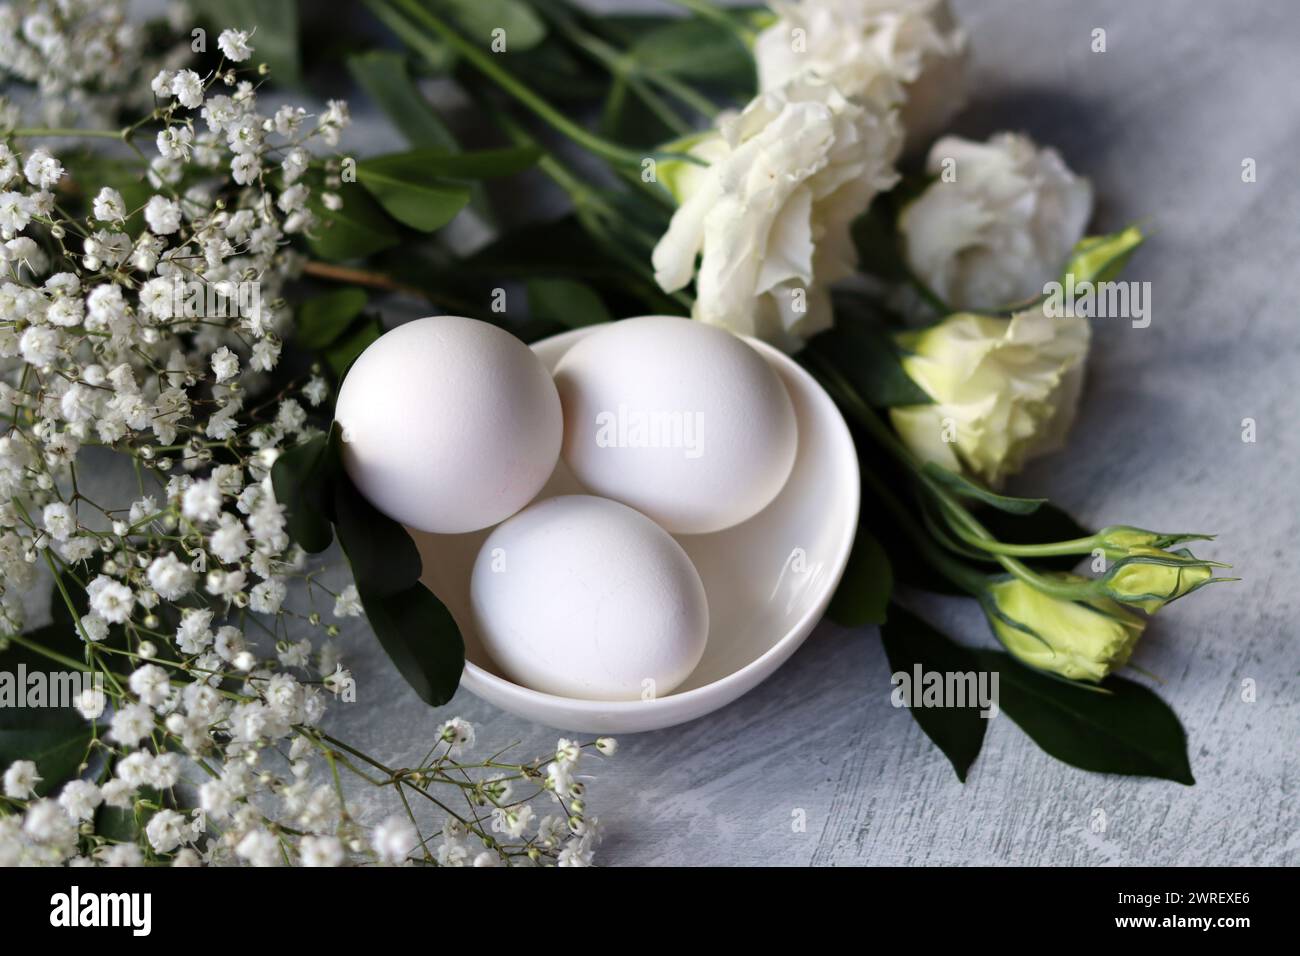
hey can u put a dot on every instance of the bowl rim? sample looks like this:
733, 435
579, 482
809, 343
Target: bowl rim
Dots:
793, 637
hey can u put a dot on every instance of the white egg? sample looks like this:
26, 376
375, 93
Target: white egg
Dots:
449, 424
584, 597
685, 422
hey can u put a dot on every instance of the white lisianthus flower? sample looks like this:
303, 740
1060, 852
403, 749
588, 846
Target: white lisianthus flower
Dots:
1004, 390
997, 224
905, 53
770, 213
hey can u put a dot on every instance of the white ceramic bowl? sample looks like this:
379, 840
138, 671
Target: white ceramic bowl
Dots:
768, 579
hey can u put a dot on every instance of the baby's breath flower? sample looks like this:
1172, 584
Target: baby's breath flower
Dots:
233, 45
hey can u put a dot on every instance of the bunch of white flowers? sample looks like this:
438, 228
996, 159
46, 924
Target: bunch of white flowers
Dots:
145, 327
82, 59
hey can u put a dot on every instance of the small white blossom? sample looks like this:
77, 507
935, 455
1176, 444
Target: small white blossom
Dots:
321, 851
233, 44
79, 798
394, 839
163, 215
59, 520
108, 205
20, 780
187, 87
458, 734
41, 169
111, 600
170, 577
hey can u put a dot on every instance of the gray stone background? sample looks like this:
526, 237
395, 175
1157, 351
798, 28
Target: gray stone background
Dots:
1161, 123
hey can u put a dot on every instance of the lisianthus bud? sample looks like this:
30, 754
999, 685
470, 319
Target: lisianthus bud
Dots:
1118, 540
1004, 390
1080, 640
1149, 578
1102, 258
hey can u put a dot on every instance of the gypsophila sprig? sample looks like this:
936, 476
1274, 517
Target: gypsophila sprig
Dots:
153, 331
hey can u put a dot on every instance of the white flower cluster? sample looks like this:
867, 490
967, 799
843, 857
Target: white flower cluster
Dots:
770, 214
145, 327
83, 59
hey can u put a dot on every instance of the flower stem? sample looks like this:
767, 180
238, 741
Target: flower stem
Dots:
958, 516
705, 10
487, 65
39, 131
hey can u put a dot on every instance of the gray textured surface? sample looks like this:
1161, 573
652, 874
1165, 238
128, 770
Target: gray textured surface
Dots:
1161, 122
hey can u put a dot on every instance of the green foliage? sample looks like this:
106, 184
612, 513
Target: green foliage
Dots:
957, 731
864, 591
323, 319
276, 41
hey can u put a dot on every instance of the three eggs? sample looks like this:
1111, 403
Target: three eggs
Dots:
452, 425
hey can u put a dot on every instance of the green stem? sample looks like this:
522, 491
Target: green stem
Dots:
55, 656
487, 65
958, 516
966, 578
38, 131
1047, 550
705, 10
616, 64
621, 66
67, 598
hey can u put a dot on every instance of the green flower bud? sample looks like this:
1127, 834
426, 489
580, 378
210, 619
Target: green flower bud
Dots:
1149, 578
1102, 258
1079, 640
681, 177
1119, 540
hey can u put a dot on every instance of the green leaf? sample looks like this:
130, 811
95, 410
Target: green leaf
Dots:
421, 638
876, 239
864, 353
323, 319
92, 171
384, 559
625, 117
385, 78
909, 642
435, 53
359, 229
571, 304
416, 164
275, 41
344, 352
524, 29
1047, 523
54, 738
420, 188
695, 49
868, 581
1126, 731
415, 201
303, 477
965, 488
